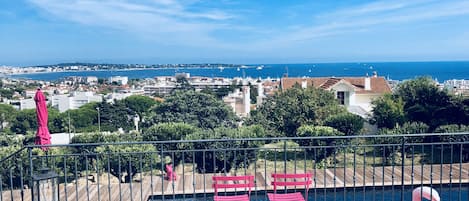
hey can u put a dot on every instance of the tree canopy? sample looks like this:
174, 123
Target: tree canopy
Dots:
196, 108
285, 112
420, 100
388, 111
139, 104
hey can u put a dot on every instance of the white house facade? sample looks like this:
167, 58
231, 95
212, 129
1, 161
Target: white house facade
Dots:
355, 93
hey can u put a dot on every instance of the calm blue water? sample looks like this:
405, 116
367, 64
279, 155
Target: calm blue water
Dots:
446, 194
394, 70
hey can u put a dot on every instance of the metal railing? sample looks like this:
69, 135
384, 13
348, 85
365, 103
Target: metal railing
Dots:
367, 167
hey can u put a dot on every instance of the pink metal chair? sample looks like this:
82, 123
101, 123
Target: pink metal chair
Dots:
170, 175
224, 182
290, 180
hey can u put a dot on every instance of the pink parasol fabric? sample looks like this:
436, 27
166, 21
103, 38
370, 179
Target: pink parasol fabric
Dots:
42, 134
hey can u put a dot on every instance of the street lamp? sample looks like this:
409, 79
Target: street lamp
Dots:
99, 120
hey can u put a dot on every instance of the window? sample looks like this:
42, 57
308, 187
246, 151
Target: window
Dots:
341, 97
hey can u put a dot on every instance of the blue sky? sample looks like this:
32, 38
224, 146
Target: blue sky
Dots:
250, 31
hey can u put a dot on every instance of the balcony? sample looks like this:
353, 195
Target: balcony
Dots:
374, 167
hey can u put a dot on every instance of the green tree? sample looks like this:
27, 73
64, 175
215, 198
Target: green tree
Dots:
139, 104
286, 111
196, 108
7, 115
83, 119
424, 101
55, 122
253, 93
115, 116
453, 128
457, 141
7, 93
388, 111
347, 123
395, 142
125, 161
222, 155
24, 121
319, 148
169, 132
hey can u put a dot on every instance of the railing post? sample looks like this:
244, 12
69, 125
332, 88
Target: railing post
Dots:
162, 157
402, 167
31, 184
285, 157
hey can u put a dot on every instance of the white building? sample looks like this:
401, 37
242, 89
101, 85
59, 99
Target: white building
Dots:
164, 85
92, 80
75, 100
121, 80
356, 93
239, 101
122, 94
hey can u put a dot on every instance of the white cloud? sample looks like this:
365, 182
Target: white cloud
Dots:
367, 17
166, 21
179, 22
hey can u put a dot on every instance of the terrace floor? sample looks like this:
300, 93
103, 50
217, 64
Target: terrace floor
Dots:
195, 183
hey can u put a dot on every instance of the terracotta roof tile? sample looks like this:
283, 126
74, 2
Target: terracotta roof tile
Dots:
378, 84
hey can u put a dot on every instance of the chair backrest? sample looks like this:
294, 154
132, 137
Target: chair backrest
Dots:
292, 180
224, 182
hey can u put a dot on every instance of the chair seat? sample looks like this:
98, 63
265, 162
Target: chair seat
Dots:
244, 197
286, 197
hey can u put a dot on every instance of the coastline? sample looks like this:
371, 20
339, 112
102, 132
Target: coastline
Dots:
393, 71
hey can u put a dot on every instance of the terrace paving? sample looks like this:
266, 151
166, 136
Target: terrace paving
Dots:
191, 183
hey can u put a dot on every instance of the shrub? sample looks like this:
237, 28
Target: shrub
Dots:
347, 123
128, 159
395, 142
315, 146
223, 156
388, 111
169, 131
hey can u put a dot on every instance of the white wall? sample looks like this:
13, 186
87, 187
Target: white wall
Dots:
364, 100
27, 104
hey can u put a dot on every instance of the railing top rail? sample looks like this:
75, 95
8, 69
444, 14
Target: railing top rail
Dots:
12, 154
253, 139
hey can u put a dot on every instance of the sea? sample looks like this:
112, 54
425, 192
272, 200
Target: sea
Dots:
439, 71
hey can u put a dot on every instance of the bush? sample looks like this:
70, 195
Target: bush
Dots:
87, 138
128, 159
223, 156
388, 111
395, 142
347, 123
454, 128
313, 146
167, 132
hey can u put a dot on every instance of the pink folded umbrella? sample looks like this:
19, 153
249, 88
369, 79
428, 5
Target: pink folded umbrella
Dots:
42, 134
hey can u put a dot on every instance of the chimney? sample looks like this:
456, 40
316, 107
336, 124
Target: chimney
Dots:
375, 74
304, 84
367, 83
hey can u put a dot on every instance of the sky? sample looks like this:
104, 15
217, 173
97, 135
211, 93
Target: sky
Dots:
35, 32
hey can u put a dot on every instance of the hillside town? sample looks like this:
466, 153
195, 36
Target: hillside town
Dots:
72, 92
